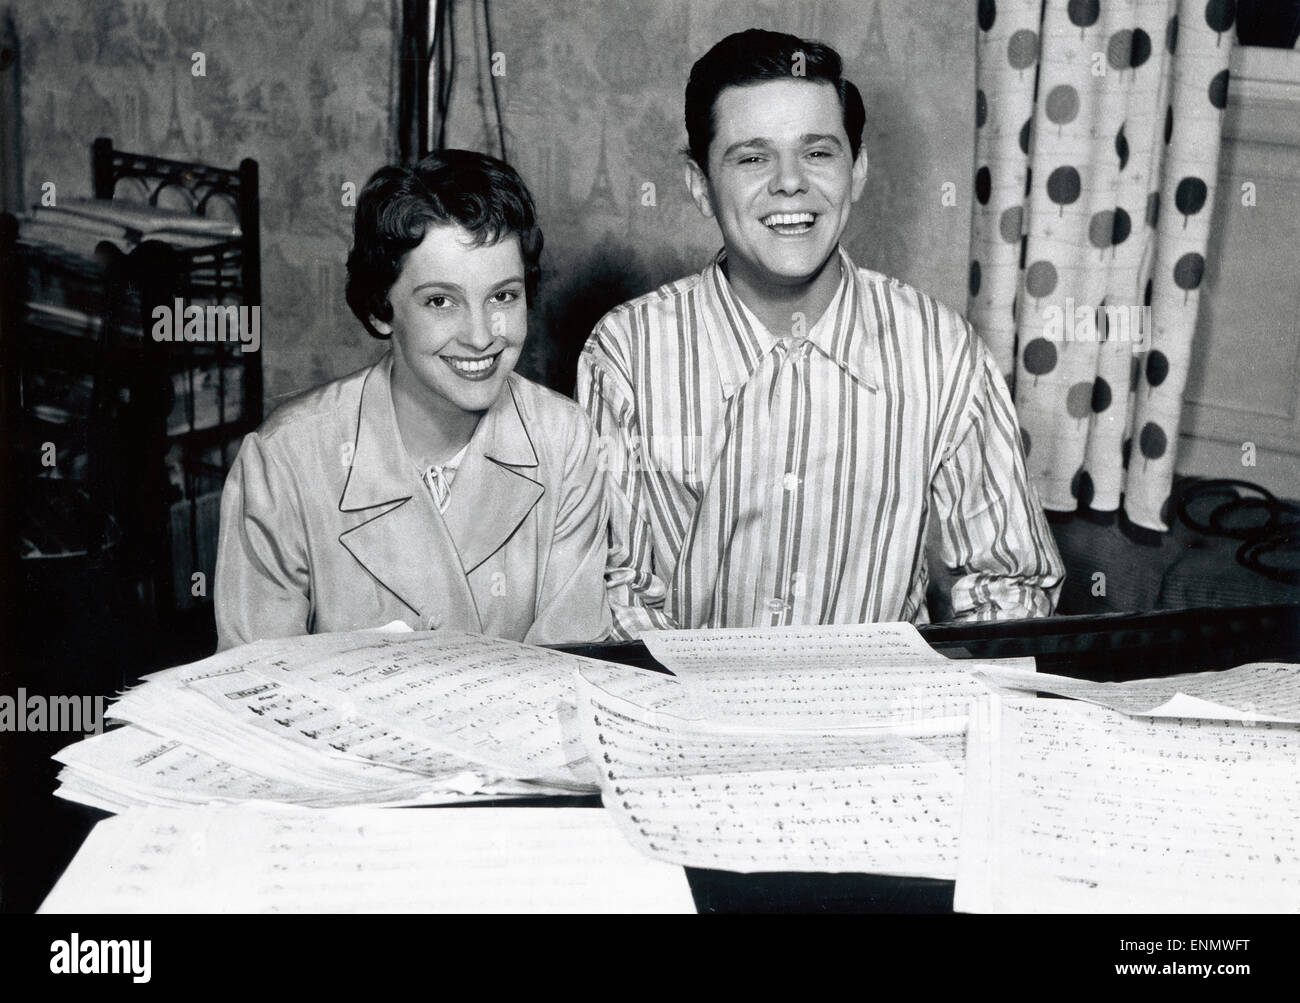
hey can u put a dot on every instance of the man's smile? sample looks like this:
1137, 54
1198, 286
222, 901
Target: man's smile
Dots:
789, 224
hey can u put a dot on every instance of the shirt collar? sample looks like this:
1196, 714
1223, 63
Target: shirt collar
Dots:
378, 470
844, 333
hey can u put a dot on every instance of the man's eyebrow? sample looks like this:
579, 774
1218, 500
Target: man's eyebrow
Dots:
757, 142
809, 138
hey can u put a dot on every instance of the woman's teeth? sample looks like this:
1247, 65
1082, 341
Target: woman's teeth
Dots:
472, 368
789, 223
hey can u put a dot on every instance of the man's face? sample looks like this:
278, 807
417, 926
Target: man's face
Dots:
781, 179
459, 317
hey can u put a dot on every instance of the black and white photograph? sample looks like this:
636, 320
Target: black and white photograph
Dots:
651, 457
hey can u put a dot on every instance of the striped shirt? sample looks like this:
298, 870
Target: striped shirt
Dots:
758, 480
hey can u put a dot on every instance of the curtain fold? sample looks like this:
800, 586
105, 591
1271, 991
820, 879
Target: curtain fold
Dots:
1097, 144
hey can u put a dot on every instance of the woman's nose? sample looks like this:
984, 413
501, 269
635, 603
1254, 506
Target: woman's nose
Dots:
480, 332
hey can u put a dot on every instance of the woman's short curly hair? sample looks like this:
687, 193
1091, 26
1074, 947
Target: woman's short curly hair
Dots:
482, 194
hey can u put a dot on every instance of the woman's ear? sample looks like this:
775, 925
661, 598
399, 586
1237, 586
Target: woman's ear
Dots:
383, 327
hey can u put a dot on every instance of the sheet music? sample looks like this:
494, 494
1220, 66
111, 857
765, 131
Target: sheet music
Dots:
479, 860
492, 701
1075, 808
688, 793
129, 767
360, 718
1260, 691
817, 677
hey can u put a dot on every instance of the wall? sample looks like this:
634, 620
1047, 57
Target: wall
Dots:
302, 87
592, 106
1242, 416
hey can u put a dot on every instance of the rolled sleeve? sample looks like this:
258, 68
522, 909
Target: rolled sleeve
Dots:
993, 534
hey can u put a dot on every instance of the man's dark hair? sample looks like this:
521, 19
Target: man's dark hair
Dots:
755, 56
484, 195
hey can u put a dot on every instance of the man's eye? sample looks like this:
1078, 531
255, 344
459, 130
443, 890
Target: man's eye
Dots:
751, 159
821, 153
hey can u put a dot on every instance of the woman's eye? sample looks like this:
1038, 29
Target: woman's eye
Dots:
506, 296
437, 302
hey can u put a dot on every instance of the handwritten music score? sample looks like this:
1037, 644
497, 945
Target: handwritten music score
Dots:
686, 792
1260, 691
128, 768
359, 718
250, 859
818, 677
1074, 808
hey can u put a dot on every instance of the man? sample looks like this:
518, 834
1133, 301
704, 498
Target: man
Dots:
782, 428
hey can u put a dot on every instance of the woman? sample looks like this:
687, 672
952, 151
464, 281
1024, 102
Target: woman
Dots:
435, 487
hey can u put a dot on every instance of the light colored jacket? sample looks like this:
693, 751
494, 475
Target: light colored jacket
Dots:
326, 526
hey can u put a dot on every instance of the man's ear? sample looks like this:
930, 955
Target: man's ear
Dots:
859, 173
697, 183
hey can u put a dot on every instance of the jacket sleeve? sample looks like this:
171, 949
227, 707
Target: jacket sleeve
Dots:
571, 604
263, 577
636, 591
993, 534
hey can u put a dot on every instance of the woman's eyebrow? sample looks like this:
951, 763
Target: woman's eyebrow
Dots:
437, 284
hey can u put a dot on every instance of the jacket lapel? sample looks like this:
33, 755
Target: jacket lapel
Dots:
496, 487
403, 543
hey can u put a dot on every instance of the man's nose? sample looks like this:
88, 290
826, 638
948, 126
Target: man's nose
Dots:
788, 176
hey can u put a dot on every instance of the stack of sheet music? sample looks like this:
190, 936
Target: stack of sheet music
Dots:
340, 719
840, 749
1157, 795
858, 749
798, 749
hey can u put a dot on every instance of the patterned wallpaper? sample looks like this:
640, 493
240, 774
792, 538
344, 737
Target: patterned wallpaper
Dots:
302, 86
592, 107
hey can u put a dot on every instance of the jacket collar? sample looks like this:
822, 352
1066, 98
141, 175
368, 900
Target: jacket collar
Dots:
845, 333
420, 555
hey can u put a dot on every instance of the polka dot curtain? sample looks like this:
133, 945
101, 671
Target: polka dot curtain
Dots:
1097, 145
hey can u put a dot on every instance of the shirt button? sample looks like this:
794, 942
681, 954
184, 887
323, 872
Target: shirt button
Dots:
778, 605
790, 482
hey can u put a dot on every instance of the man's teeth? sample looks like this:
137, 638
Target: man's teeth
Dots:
470, 365
789, 219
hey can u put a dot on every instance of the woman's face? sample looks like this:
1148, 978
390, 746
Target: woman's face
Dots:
459, 317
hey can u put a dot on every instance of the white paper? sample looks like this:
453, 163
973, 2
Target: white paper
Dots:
358, 860
1260, 691
1074, 808
689, 793
817, 678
